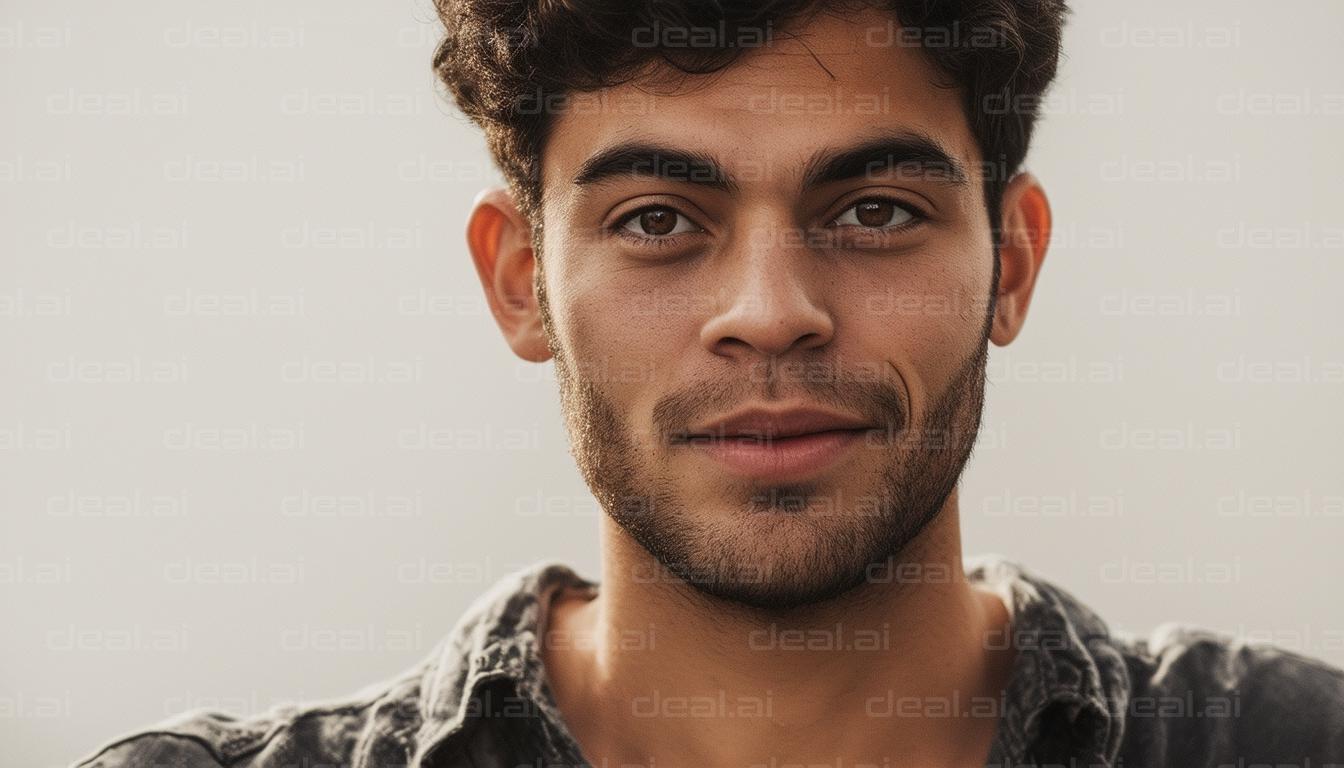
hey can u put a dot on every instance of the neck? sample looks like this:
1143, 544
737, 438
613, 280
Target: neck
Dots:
885, 674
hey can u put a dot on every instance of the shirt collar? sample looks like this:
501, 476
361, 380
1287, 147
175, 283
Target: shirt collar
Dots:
1066, 698
496, 640
1070, 686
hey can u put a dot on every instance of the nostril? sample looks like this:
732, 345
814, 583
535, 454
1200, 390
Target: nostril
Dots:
770, 327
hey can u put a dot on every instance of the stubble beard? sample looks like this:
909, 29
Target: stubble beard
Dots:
777, 547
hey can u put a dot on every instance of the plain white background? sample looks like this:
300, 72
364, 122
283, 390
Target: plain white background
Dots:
226, 204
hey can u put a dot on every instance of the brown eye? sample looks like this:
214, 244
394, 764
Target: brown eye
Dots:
875, 214
658, 222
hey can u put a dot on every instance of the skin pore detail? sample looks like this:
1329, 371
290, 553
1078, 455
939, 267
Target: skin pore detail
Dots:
770, 333
837, 541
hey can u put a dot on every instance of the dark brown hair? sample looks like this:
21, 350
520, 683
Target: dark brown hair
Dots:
510, 64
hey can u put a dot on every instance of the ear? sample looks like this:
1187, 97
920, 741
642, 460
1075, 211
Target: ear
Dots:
500, 241
1026, 233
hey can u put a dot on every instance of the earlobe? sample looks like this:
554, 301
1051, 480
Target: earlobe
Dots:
1022, 245
500, 241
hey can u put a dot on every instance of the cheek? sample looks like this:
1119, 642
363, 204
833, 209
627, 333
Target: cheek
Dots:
568, 289
924, 314
615, 327
933, 291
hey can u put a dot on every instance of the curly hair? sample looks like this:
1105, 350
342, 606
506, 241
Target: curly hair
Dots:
1000, 54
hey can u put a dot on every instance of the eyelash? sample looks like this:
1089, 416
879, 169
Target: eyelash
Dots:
619, 226
916, 215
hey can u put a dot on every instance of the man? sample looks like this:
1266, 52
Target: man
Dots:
767, 246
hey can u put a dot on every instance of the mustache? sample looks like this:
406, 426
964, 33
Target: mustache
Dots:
880, 398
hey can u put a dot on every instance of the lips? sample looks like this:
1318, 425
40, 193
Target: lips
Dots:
779, 445
764, 424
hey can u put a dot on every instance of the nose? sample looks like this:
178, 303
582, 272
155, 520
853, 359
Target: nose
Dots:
773, 304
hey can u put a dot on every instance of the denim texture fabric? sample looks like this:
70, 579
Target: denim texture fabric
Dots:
1079, 696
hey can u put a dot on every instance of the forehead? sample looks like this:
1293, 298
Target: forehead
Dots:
818, 86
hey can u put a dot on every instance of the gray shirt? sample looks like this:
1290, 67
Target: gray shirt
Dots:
1078, 696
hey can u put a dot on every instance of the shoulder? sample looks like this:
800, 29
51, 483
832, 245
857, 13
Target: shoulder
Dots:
200, 738
150, 749
1194, 691
378, 721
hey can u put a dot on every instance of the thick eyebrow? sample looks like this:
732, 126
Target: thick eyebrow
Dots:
650, 160
909, 155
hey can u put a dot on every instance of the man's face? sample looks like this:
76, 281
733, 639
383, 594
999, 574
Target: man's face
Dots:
767, 294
